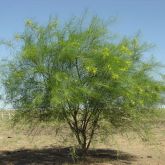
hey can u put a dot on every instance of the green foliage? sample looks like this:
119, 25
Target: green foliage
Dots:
76, 73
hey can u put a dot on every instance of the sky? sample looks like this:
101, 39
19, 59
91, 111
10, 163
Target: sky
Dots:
132, 16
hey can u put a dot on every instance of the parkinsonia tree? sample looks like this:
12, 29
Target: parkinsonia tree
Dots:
76, 73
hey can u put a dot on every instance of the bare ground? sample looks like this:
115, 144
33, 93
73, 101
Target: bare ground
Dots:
21, 147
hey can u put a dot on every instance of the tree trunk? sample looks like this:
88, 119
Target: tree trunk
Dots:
83, 127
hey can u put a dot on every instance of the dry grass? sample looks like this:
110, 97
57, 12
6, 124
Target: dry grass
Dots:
48, 145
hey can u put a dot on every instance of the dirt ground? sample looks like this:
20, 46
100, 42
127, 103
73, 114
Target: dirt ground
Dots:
22, 147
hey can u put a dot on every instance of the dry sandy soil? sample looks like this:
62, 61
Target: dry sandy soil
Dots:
37, 147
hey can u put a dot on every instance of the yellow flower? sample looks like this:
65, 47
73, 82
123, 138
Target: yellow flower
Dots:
94, 70
105, 52
75, 44
125, 50
109, 67
91, 69
88, 68
128, 63
123, 69
115, 76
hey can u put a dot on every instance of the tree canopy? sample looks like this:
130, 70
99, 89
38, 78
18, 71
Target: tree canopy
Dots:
76, 73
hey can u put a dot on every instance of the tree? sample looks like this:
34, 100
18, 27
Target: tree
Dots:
76, 73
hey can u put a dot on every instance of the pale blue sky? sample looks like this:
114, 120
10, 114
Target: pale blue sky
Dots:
147, 16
